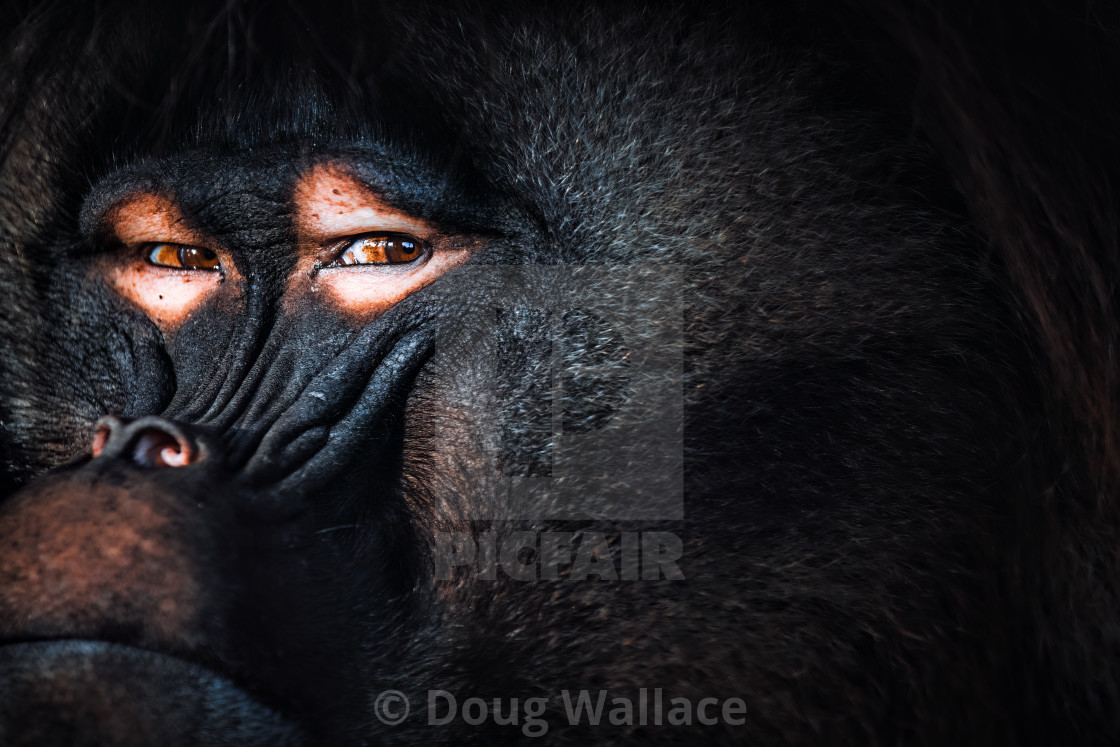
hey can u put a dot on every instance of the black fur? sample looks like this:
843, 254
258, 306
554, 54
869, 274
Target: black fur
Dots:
894, 228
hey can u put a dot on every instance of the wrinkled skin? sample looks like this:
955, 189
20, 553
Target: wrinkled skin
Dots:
714, 276
124, 549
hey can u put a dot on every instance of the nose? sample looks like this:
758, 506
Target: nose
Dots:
150, 441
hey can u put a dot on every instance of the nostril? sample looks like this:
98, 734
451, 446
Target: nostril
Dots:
147, 442
107, 432
153, 447
100, 438
172, 457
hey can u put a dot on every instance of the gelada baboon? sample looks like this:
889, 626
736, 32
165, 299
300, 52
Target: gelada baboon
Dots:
629, 373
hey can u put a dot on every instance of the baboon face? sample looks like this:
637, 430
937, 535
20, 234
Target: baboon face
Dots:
436, 374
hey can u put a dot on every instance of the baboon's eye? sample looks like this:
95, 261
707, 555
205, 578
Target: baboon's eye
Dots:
182, 257
380, 249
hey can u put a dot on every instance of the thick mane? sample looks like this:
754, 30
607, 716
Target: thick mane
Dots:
892, 230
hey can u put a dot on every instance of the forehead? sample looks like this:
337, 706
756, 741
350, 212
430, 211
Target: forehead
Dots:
198, 178
260, 182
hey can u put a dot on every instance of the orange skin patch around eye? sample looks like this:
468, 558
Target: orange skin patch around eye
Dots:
167, 295
331, 205
330, 208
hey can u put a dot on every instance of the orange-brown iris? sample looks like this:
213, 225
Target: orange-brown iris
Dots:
385, 249
183, 257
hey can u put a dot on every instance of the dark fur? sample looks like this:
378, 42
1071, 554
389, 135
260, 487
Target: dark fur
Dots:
897, 229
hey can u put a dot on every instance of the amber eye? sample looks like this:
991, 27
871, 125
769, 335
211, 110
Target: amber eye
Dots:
183, 257
383, 249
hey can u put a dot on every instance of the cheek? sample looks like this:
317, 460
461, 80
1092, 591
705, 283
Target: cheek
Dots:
168, 297
363, 293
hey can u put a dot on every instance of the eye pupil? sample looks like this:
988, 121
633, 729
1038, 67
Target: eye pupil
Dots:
401, 250
183, 257
381, 250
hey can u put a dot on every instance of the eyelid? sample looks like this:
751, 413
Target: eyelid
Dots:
341, 246
188, 257
353, 222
